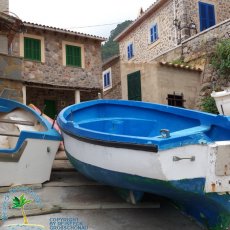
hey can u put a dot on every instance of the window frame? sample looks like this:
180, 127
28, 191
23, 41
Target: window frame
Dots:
73, 60
154, 35
42, 46
64, 54
130, 50
106, 72
176, 100
209, 21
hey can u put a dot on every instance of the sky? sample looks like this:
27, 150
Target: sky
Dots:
86, 16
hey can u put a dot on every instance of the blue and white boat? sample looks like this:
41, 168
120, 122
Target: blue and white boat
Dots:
28, 145
177, 153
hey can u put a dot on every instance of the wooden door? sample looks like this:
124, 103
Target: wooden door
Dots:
134, 86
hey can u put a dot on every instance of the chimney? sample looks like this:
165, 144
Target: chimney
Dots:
4, 5
140, 12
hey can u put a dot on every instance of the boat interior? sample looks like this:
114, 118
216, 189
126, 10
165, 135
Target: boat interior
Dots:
13, 123
149, 123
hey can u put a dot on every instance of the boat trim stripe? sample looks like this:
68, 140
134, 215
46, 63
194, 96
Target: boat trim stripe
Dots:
115, 144
13, 157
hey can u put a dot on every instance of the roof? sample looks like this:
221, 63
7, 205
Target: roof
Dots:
178, 66
108, 60
65, 31
154, 7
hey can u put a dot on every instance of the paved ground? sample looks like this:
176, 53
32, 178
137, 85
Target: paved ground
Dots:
85, 204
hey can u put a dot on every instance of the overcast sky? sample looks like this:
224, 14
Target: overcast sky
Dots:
73, 14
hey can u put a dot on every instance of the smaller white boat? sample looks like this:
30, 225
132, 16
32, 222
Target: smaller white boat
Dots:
222, 100
28, 144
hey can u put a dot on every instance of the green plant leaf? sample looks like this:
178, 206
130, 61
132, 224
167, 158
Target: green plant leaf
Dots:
16, 203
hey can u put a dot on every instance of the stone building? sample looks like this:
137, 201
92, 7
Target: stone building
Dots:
111, 78
58, 67
161, 31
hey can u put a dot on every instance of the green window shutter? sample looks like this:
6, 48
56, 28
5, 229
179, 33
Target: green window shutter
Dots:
32, 49
73, 56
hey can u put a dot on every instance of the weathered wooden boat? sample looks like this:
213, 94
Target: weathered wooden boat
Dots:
28, 145
181, 154
222, 100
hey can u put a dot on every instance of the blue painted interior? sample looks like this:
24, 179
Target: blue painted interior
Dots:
7, 106
139, 122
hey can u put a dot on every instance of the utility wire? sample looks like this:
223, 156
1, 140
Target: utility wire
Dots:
81, 27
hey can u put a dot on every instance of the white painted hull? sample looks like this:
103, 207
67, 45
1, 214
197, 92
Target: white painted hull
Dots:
34, 165
222, 100
159, 166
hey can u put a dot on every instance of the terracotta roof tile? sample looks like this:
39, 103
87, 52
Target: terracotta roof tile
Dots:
178, 66
156, 5
60, 30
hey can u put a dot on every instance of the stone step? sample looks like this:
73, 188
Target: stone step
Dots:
62, 165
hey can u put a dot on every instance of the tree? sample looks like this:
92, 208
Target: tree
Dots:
111, 48
19, 203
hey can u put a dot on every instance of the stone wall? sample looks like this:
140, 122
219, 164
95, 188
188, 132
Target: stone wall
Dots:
53, 72
185, 11
222, 9
11, 77
198, 51
158, 81
4, 5
10, 67
115, 91
11, 89
144, 51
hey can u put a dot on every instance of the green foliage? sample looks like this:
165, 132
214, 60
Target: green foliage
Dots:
180, 62
208, 105
111, 48
221, 58
20, 202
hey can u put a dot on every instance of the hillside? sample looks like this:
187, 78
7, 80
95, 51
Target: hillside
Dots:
110, 48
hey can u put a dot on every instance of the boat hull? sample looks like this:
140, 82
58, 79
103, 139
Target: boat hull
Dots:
32, 166
222, 100
147, 174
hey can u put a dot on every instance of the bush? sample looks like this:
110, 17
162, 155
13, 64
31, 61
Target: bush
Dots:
208, 105
221, 58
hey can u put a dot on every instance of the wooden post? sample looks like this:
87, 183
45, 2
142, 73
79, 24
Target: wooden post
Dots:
24, 94
77, 97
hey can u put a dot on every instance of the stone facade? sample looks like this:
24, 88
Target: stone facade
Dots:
11, 77
115, 91
144, 51
179, 39
197, 51
11, 89
164, 13
51, 79
52, 71
4, 5
157, 83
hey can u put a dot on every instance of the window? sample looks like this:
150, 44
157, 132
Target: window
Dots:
154, 33
207, 15
176, 100
107, 79
130, 51
73, 56
32, 49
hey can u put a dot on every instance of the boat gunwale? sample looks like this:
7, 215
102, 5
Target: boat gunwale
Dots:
115, 144
49, 134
